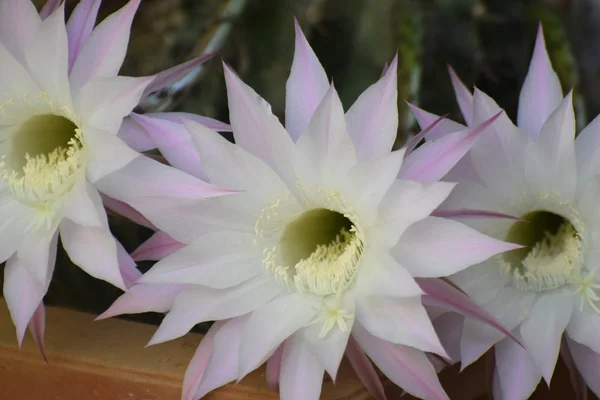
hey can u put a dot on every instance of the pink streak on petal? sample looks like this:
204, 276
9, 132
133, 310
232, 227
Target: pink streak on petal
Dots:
49, 8
125, 210
364, 370
173, 74
577, 381
464, 97
274, 368
80, 26
181, 116
135, 136
128, 268
37, 326
412, 143
471, 213
430, 162
425, 118
305, 87
159, 246
440, 293
142, 298
587, 363
103, 52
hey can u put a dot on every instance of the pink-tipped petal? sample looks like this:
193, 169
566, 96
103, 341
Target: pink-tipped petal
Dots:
80, 26
127, 266
399, 320
439, 293
103, 52
37, 325
373, 118
425, 119
23, 294
588, 364
577, 381
465, 213
255, 128
135, 136
179, 117
407, 367
464, 97
291, 313
449, 327
170, 76
301, 373
144, 297
174, 143
305, 87
159, 246
94, 250
365, 370
49, 8
222, 365
125, 210
541, 92
47, 56
19, 22
454, 247
273, 369
517, 374
195, 370
412, 143
433, 160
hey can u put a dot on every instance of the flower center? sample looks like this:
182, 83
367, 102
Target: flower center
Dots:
41, 158
552, 254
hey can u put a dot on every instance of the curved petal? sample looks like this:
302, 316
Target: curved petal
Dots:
159, 246
453, 248
19, 22
15, 80
406, 367
268, 327
80, 26
542, 330
373, 118
583, 327
273, 369
587, 150
541, 92
588, 364
301, 373
94, 250
517, 374
125, 210
103, 52
37, 326
38, 255
142, 298
425, 119
107, 154
365, 370
305, 87
464, 97
127, 266
84, 206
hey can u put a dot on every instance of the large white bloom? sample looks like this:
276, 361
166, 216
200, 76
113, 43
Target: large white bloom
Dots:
539, 173
61, 107
318, 254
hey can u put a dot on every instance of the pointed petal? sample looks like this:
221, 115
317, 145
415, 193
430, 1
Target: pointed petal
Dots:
542, 330
402, 321
373, 119
577, 381
407, 367
103, 102
301, 373
37, 326
273, 369
125, 210
588, 364
541, 92
94, 250
103, 52
107, 154
135, 135
174, 142
305, 87
268, 327
442, 294
433, 160
179, 117
223, 362
15, 80
49, 8
197, 367
159, 246
23, 294
454, 247
144, 297
583, 326
464, 97
415, 140
198, 304
517, 374
365, 370
205, 262
80, 26
255, 128
14, 218
127, 266
38, 254
170, 76
19, 22
449, 327
85, 206
587, 150
425, 119
47, 57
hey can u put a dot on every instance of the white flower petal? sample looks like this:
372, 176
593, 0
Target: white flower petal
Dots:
15, 218
587, 363
464, 97
269, 326
84, 206
106, 153
584, 327
301, 376
80, 26
517, 374
144, 298
15, 81
38, 255
19, 22
587, 150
